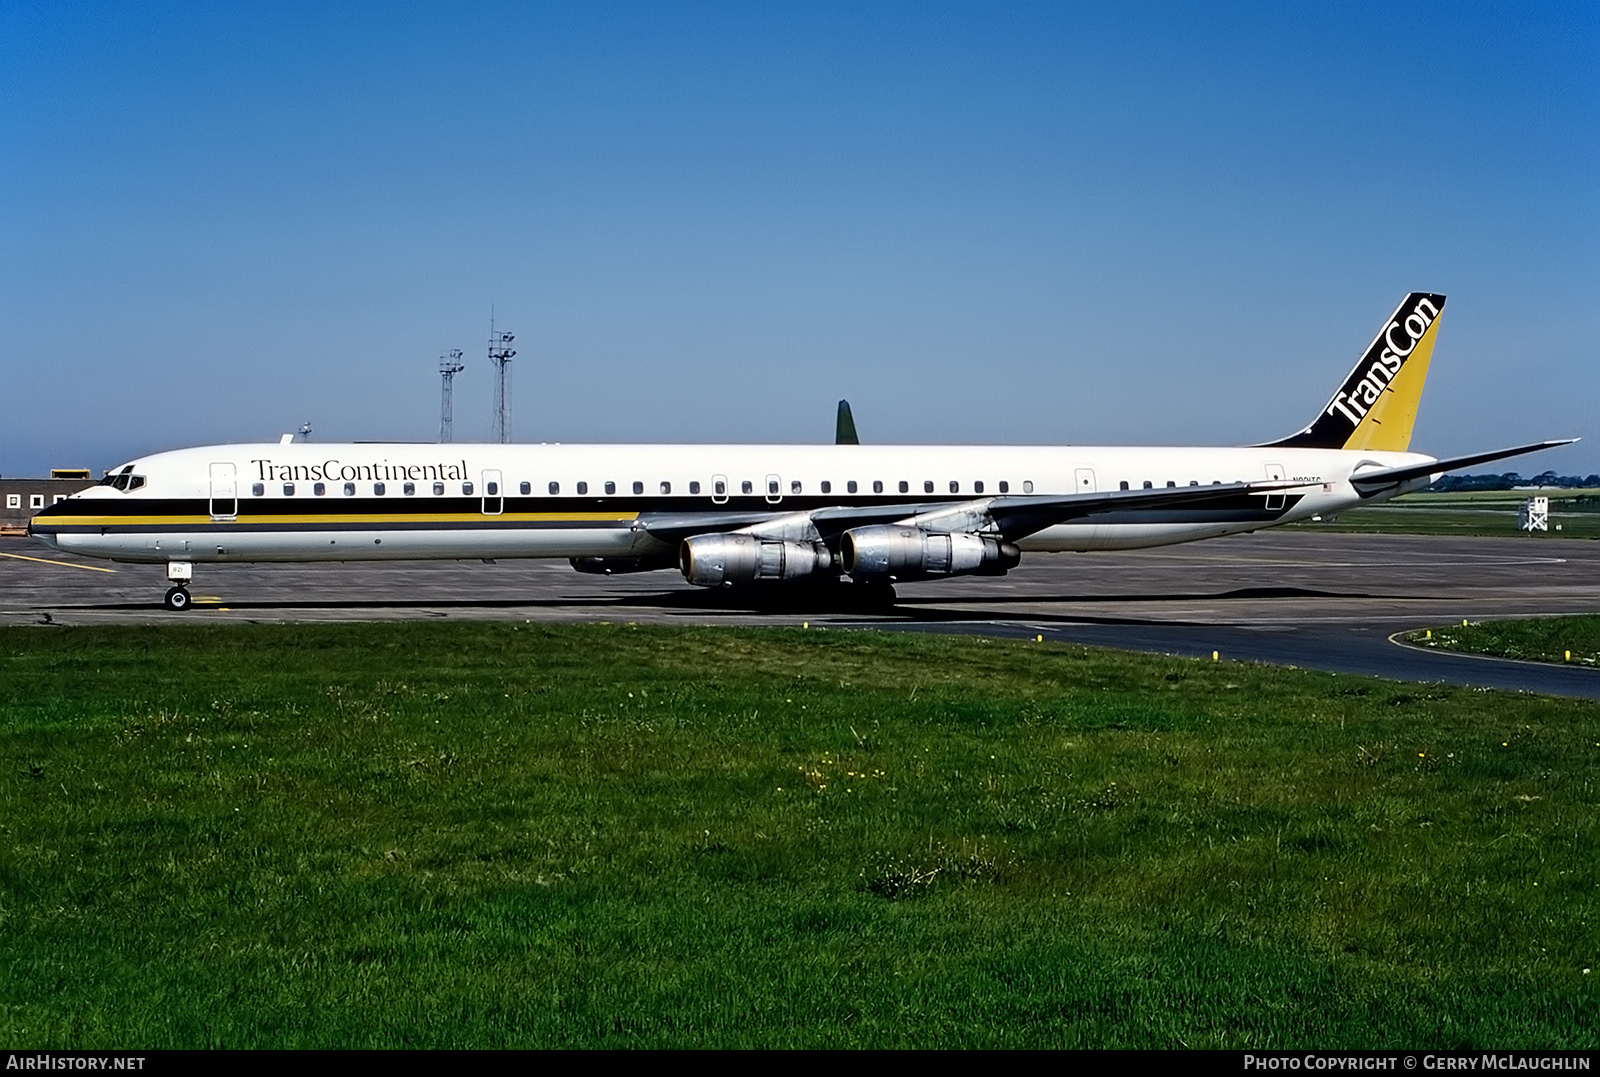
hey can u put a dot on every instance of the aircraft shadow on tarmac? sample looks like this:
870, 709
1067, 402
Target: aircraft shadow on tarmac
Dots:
917, 608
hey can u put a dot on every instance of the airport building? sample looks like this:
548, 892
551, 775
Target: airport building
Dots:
21, 498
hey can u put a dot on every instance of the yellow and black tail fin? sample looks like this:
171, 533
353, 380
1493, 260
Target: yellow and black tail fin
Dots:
1376, 406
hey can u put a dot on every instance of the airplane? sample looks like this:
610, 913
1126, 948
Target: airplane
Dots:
759, 515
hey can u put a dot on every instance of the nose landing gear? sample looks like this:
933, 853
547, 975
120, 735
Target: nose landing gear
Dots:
179, 572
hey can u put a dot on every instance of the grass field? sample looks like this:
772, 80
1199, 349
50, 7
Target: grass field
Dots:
1567, 640
1488, 512
486, 835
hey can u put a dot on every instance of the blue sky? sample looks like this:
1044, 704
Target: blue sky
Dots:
1020, 223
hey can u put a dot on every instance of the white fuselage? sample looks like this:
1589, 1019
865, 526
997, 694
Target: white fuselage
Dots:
309, 502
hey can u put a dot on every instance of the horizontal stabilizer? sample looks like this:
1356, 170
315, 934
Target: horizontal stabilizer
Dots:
1371, 482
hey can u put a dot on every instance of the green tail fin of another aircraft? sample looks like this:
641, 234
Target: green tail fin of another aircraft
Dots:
844, 429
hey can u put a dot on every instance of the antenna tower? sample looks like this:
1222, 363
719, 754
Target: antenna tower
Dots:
500, 353
450, 365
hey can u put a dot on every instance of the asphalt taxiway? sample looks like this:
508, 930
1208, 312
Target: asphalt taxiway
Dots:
1311, 599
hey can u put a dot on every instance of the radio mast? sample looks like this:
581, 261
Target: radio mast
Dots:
500, 353
450, 365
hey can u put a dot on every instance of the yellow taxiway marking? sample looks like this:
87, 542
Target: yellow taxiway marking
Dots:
63, 564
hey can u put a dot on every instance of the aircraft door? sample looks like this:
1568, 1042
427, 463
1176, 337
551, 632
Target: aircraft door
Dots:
1275, 501
494, 500
224, 492
1085, 483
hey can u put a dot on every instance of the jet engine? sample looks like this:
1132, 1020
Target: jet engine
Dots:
712, 560
885, 551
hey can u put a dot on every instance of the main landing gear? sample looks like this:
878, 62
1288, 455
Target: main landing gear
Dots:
179, 572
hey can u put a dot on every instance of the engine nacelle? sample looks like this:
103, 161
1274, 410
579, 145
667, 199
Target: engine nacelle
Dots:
893, 551
712, 560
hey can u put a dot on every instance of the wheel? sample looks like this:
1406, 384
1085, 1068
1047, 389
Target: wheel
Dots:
177, 599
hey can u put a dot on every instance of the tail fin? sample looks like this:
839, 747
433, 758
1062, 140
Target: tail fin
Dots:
1376, 406
844, 427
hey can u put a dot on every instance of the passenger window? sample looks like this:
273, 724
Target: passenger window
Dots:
694, 486
1005, 487
379, 488
611, 487
319, 489
747, 486
638, 487
526, 488
905, 487
583, 488
772, 487
1124, 484
721, 488
1194, 482
349, 489
1027, 486
927, 486
827, 487
438, 489
466, 488
850, 486
1148, 484
555, 488
258, 490
288, 489
877, 486
977, 487
491, 489
666, 487
409, 489
794, 486
1170, 484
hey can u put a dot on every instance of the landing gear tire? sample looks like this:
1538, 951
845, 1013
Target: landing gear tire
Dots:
177, 600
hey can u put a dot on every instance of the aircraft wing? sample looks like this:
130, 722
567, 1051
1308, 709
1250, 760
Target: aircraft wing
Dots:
1368, 483
1016, 516
676, 526
1020, 516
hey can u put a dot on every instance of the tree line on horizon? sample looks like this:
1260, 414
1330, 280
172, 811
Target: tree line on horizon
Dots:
1511, 480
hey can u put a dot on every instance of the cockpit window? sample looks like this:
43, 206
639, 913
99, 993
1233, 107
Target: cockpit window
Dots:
123, 480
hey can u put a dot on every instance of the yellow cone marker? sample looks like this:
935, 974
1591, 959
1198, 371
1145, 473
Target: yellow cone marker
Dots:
1213, 656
